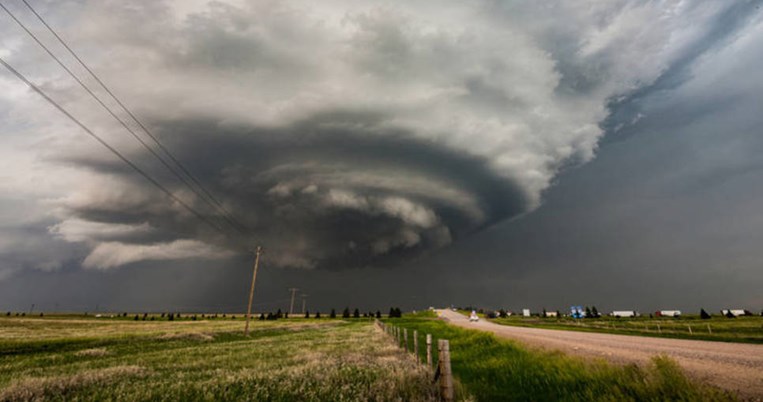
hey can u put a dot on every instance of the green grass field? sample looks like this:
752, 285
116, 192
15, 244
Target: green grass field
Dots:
491, 369
717, 328
89, 359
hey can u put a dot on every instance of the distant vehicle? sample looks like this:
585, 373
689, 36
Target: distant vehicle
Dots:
735, 311
473, 317
624, 313
669, 313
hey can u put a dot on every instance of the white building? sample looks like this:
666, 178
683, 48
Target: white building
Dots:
736, 311
624, 313
526, 312
550, 313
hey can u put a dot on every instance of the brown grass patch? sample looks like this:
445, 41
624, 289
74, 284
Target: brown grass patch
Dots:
192, 336
95, 352
39, 389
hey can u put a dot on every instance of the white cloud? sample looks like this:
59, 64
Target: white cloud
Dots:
78, 230
113, 254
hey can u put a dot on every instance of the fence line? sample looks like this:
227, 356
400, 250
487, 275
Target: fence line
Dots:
442, 373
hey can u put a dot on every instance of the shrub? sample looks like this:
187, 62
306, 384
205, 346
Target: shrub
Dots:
318, 314
279, 314
356, 313
8, 314
171, 317
262, 317
346, 313
333, 313
136, 318
307, 313
378, 314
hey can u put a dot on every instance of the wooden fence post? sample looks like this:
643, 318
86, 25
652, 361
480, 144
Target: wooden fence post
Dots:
690, 333
429, 350
416, 344
446, 377
405, 339
709, 330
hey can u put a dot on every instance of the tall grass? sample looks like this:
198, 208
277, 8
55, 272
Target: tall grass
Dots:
206, 361
493, 369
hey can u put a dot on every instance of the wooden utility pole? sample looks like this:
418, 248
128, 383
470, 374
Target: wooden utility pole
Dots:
291, 306
251, 289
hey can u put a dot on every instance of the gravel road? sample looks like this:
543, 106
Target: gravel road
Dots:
734, 366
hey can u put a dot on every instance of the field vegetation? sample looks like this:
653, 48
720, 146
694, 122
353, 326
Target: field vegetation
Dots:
94, 359
717, 328
488, 368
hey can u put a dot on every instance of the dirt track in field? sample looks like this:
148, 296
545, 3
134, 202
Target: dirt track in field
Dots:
733, 366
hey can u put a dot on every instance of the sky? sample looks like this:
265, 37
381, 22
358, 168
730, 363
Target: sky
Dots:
497, 154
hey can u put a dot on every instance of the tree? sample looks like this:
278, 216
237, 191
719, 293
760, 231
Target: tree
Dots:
136, 317
346, 312
356, 313
588, 312
703, 314
595, 312
279, 314
391, 312
317, 314
171, 317
333, 313
378, 314
262, 317
501, 313
307, 313
544, 313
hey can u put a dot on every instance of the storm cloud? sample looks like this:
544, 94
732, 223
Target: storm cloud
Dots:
341, 136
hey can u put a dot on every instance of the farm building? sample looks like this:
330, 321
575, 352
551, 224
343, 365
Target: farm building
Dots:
736, 311
550, 313
668, 313
526, 312
624, 313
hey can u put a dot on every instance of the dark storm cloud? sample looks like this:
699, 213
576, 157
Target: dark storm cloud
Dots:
349, 192
354, 136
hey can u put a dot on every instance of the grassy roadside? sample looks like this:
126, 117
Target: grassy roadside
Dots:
741, 329
492, 369
285, 360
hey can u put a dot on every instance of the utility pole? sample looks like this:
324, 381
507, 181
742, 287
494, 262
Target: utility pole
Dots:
257, 254
291, 306
304, 302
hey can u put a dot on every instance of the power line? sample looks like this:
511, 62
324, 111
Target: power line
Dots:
237, 224
109, 147
214, 203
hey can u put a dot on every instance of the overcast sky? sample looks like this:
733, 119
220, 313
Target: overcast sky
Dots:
502, 154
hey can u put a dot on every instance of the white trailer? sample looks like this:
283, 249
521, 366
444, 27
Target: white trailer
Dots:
736, 311
670, 313
624, 313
